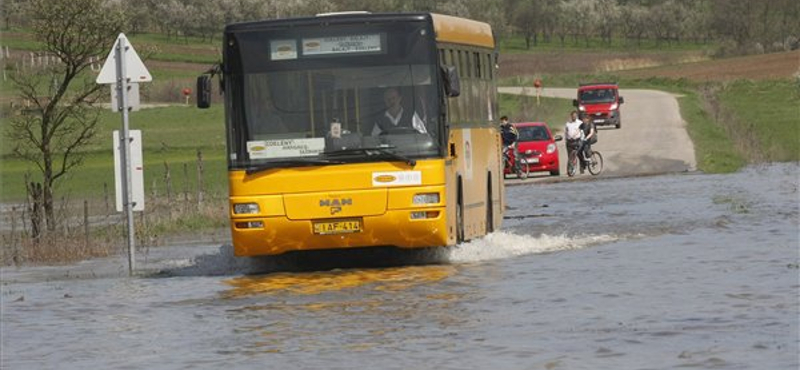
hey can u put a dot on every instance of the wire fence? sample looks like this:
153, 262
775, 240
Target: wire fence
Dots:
86, 228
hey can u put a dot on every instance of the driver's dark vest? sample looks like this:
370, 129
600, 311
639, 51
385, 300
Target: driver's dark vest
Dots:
384, 123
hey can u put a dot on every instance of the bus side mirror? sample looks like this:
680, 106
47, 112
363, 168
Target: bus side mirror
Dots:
621, 100
452, 85
574, 102
204, 91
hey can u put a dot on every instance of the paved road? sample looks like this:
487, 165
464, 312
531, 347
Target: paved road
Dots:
652, 139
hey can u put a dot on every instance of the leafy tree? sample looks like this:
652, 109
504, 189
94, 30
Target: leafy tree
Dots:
61, 119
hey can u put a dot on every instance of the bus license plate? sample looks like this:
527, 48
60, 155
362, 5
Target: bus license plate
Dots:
337, 227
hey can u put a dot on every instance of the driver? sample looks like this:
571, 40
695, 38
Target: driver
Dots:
395, 115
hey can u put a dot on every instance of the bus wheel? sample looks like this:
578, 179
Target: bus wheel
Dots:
460, 216
489, 207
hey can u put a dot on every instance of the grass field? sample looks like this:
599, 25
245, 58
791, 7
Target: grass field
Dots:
171, 135
176, 49
523, 108
766, 115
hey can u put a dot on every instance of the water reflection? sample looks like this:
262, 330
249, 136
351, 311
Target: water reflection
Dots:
352, 310
389, 279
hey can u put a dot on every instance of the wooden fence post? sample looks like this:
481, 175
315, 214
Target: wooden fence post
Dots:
86, 224
199, 178
168, 182
186, 182
105, 196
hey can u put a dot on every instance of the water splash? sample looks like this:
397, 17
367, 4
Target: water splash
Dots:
501, 245
498, 245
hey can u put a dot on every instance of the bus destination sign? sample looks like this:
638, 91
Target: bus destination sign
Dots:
342, 45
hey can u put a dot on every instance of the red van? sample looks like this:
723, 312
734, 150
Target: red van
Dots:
601, 101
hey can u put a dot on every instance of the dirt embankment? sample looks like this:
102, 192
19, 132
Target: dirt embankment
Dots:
693, 65
755, 67
587, 62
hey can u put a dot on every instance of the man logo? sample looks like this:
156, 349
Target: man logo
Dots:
336, 204
385, 178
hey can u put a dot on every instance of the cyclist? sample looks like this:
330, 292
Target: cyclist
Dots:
588, 137
573, 132
509, 134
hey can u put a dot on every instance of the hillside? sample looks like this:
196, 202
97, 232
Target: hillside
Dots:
691, 65
754, 67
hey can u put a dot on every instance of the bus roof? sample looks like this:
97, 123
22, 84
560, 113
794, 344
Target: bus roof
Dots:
448, 28
462, 31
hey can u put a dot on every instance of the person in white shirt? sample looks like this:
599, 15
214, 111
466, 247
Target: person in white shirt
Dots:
396, 115
573, 127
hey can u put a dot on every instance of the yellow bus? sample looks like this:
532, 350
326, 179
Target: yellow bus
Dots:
349, 130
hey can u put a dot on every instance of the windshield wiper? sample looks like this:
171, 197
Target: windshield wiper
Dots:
376, 151
288, 163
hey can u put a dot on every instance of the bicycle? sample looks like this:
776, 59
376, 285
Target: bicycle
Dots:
594, 163
519, 167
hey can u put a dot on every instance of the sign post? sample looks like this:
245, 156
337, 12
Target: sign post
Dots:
124, 68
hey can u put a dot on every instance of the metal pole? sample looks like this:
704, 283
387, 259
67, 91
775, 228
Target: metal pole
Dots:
122, 99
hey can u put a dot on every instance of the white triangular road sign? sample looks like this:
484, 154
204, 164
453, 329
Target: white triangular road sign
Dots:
134, 68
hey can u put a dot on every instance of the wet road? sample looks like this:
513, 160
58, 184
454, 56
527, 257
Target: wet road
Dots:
652, 139
663, 272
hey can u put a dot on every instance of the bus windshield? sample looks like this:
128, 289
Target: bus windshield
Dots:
338, 99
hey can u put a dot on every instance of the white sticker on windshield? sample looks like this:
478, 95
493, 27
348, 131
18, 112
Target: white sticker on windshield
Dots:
397, 178
283, 49
266, 149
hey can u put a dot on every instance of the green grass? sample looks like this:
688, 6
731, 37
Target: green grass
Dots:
177, 49
770, 110
523, 108
171, 135
714, 149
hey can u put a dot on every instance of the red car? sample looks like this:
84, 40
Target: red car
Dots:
601, 101
538, 145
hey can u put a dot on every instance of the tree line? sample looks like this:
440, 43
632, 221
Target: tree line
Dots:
741, 26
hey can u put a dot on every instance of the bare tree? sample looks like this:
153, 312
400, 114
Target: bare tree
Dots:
634, 22
585, 18
12, 12
733, 19
60, 119
607, 15
525, 18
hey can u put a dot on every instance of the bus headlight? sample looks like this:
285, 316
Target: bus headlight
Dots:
426, 198
245, 208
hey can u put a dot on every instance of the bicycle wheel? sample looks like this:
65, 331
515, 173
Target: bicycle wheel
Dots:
597, 164
572, 164
524, 170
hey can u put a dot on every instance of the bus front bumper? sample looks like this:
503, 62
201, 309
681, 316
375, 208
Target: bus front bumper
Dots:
406, 228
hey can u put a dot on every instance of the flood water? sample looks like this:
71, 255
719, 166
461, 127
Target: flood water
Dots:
674, 271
